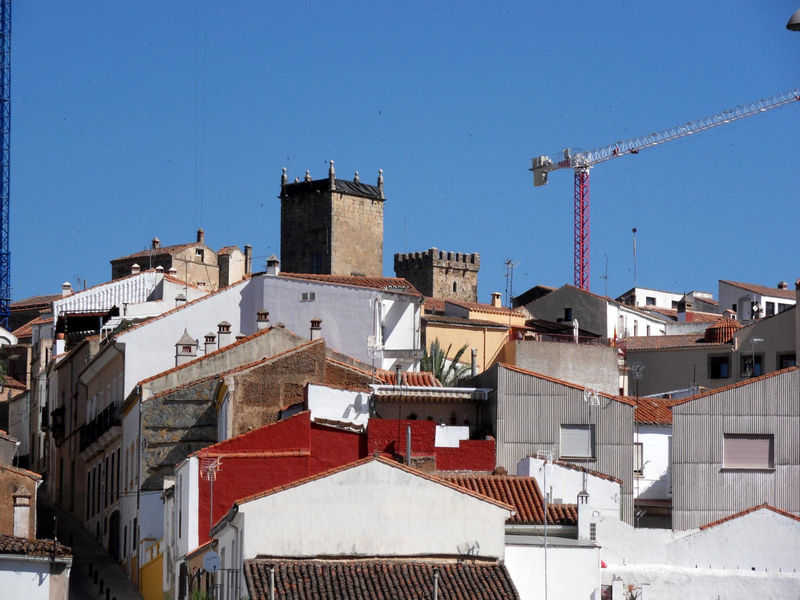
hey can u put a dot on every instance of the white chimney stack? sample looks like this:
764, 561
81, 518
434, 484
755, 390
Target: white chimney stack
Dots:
262, 320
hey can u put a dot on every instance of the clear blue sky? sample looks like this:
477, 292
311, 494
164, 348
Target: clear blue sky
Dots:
150, 118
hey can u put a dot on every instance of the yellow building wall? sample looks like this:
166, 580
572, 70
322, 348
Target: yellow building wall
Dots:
151, 579
489, 342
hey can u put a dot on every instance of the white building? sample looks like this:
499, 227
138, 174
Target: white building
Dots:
34, 569
752, 301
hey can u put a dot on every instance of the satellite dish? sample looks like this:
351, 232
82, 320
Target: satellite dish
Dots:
211, 561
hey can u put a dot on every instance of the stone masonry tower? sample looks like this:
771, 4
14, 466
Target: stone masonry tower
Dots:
332, 226
440, 274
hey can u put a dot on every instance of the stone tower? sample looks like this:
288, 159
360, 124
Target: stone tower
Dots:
440, 274
332, 226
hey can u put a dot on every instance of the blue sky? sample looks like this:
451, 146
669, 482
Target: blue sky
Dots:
141, 119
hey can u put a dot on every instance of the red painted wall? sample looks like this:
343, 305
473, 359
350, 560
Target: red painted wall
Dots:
389, 435
333, 447
471, 455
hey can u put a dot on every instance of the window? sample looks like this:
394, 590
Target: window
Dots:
650, 301
648, 330
568, 314
786, 359
455, 287
782, 307
752, 365
577, 441
308, 296
719, 367
675, 304
198, 252
638, 459
316, 263
733, 308
635, 328
770, 309
748, 451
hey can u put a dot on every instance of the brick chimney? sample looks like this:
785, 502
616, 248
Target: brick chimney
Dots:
66, 289
201, 236
224, 333
316, 328
262, 320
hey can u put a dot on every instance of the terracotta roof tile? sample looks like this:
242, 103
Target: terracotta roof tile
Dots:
732, 386
42, 300
10, 544
622, 399
574, 467
653, 411
748, 511
462, 322
420, 379
375, 579
21, 471
397, 285
522, 493
763, 290
434, 305
10, 382
489, 308
695, 316
664, 342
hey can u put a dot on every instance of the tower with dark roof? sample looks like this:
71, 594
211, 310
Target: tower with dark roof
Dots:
332, 226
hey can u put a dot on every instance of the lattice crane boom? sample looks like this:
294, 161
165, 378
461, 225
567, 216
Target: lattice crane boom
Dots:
581, 161
5, 159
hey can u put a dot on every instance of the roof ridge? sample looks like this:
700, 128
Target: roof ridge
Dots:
733, 386
746, 511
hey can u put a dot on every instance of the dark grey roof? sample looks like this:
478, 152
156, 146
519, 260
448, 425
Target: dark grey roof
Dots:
353, 188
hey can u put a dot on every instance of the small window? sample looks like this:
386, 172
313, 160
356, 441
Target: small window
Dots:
719, 367
593, 531
748, 451
650, 301
568, 314
770, 309
199, 253
752, 365
733, 308
638, 459
787, 359
308, 296
455, 287
316, 263
635, 328
577, 441
675, 304
186, 349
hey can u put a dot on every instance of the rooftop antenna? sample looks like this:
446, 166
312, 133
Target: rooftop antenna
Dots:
208, 471
604, 276
510, 280
634, 257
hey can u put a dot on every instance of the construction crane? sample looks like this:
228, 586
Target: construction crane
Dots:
581, 162
5, 159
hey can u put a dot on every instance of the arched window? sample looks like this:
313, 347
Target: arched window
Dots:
455, 286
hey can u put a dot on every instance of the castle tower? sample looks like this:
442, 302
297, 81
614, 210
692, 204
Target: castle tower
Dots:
440, 274
332, 225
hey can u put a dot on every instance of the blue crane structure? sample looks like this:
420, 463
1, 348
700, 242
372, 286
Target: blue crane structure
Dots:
5, 159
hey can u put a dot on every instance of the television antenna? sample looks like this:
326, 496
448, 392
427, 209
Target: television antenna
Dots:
208, 471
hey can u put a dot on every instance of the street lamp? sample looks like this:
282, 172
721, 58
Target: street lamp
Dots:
794, 22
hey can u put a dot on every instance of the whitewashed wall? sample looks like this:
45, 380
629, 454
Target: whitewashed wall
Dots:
29, 578
573, 573
655, 481
338, 405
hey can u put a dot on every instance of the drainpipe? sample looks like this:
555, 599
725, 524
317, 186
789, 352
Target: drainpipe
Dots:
272, 582
435, 584
408, 445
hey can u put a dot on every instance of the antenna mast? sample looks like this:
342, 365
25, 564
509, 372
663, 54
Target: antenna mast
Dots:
5, 159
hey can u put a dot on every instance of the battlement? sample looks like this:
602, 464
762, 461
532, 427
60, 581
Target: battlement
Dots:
438, 258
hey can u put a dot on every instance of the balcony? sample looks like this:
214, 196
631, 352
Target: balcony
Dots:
109, 417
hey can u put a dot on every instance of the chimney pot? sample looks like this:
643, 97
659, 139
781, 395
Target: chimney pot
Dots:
66, 289
496, 299
201, 236
316, 329
273, 265
782, 285
262, 319
136, 269
156, 243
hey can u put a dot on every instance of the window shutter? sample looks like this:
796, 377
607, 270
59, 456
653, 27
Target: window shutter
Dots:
742, 451
577, 441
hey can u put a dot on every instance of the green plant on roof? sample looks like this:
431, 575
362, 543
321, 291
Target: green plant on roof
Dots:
448, 370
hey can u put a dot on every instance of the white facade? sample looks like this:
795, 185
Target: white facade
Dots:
328, 404
645, 297
741, 300
625, 322
564, 484
573, 570
751, 556
182, 506
31, 577
373, 508
655, 479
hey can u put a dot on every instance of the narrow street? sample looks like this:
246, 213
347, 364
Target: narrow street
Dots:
95, 575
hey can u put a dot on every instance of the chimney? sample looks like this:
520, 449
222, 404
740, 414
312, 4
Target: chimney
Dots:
782, 285
685, 305
201, 236
248, 259
380, 181
156, 244
210, 342
180, 300
135, 269
61, 344
474, 369
159, 269
262, 320
316, 329
172, 271
185, 349
332, 176
224, 333
584, 516
496, 299
273, 265
66, 289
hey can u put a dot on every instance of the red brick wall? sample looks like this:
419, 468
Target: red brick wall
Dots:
471, 455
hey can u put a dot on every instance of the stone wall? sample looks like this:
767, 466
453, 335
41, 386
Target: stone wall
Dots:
441, 274
305, 231
357, 237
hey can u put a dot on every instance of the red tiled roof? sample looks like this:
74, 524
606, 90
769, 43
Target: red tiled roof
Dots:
654, 411
522, 493
27, 329
665, 342
10, 544
21, 471
42, 300
421, 379
695, 316
748, 511
396, 285
622, 399
9, 381
489, 308
435, 305
227, 249
763, 290
371, 579
157, 251
364, 461
462, 321
732, 386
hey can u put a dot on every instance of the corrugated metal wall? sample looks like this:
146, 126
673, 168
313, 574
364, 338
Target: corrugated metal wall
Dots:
531, 410
703, 491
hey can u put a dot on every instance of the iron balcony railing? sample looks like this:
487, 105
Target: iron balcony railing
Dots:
109, 417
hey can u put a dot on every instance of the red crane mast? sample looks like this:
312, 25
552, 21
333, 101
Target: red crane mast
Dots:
582, 161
